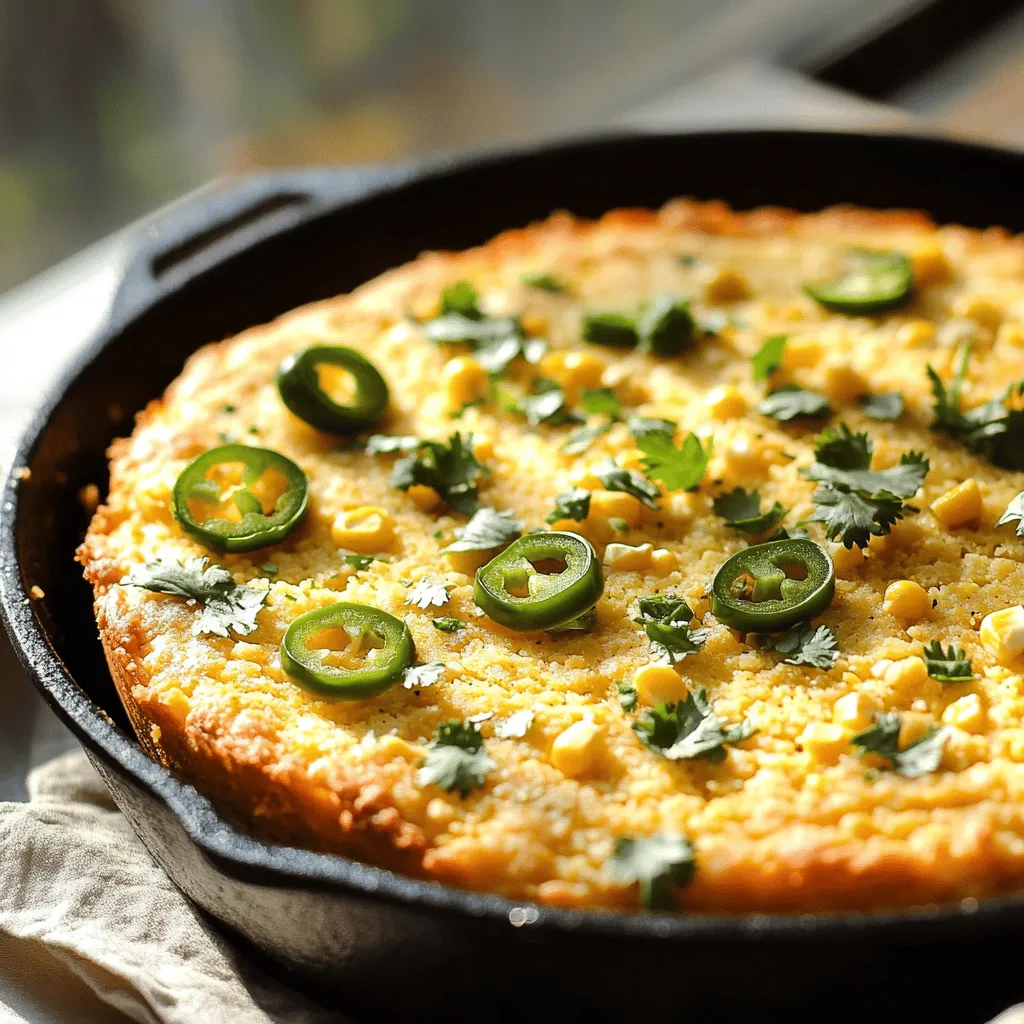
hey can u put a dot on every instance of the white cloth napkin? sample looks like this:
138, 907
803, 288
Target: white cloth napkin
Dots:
92, 930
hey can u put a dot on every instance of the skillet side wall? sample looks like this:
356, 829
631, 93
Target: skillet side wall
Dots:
353, 942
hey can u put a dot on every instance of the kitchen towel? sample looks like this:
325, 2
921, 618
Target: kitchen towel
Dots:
87, 920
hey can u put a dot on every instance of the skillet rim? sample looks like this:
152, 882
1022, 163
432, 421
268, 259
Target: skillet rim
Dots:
254, 861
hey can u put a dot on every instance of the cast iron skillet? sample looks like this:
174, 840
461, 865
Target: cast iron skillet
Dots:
372, 942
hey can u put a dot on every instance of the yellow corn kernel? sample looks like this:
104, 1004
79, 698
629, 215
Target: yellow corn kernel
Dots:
801, 353
846, 560
913, 725
534, 324
959, 506
583, 370
725, 403
657, 683
616, 505
467, 562
663, 561
917, 332
624, 558
907, 677
824, 741
726, 285
483, 448
843, 383
584, 476
1002, 633
929, 263
907, 601
1010, 334
464, 380
854, 711
366, 528
423, 497
966, 713
743, 459
576, 749
981, 310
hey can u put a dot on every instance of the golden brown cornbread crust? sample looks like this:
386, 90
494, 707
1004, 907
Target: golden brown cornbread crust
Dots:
775, 827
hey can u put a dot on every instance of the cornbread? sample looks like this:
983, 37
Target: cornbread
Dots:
793, 816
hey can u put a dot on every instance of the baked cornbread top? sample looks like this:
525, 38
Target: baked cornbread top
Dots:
794, 815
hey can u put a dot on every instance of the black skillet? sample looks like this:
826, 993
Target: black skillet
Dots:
382, 946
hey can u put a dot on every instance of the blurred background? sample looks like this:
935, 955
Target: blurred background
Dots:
109, 108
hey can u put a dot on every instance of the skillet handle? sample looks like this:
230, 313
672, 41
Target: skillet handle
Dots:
221, 220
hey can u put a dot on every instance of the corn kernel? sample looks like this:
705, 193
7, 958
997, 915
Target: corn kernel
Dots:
423, 497
917, 332
914, 725
846, 560
907, 601
959, 506
576, 749
573, 370
744, 459
1002, 633
824, 741
854, 711
483, 448
624, 558
366, 529
929, 263
726, 403
801, 353
616, 505
907, 677
657, 683
663, 561
467, 562
843, 383
726, 285
983, 311
1010, 334
464, 380
584, 476
966, 713
534, 324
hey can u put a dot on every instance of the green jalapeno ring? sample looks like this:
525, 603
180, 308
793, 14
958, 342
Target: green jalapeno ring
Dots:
300, 390
254, 529
875, 283
388, 663
551, 600
753, 592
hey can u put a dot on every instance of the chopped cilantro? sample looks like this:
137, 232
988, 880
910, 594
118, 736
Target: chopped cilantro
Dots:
882, 738
227, 605
655, 864
571, 504
463, 298
601, 400
416, 677
627, 695
615, 478
677, 468
269, 568
515, 727
543, 280
456, 760
448, 624
253, 429
229, 408
360, 562
883, 407
666, 621
1014, 514
486, 530
742, 511
426, 594
449, 467
793, 403
616, 330
666, 325
619, 525
546, 405
640, 425
689, 729
580, 439
768, 358
949, 666
804, 645
388, 444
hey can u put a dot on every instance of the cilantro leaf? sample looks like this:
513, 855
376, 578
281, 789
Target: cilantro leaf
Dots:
227, 605
580, 439
1014, 514
456, 759
515, 727
426, 594
666, 621
949, 666
628, 695
883, 407
388, 444
543, 280
477, 332
805, 645
360, 562
655, 863
601, 400
638, 426
768, 358
461, 297
449, 467
495, 355
546, 405
615, 478
677, 468
851, 517
416, 677
571, 504
882, 738
742, 511
486, 530
842, 459
689, 729
448, 624
793, 403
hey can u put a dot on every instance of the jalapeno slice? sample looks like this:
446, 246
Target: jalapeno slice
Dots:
876, 282
243, 525
347, 632
299, 386
770, 587
541, 581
